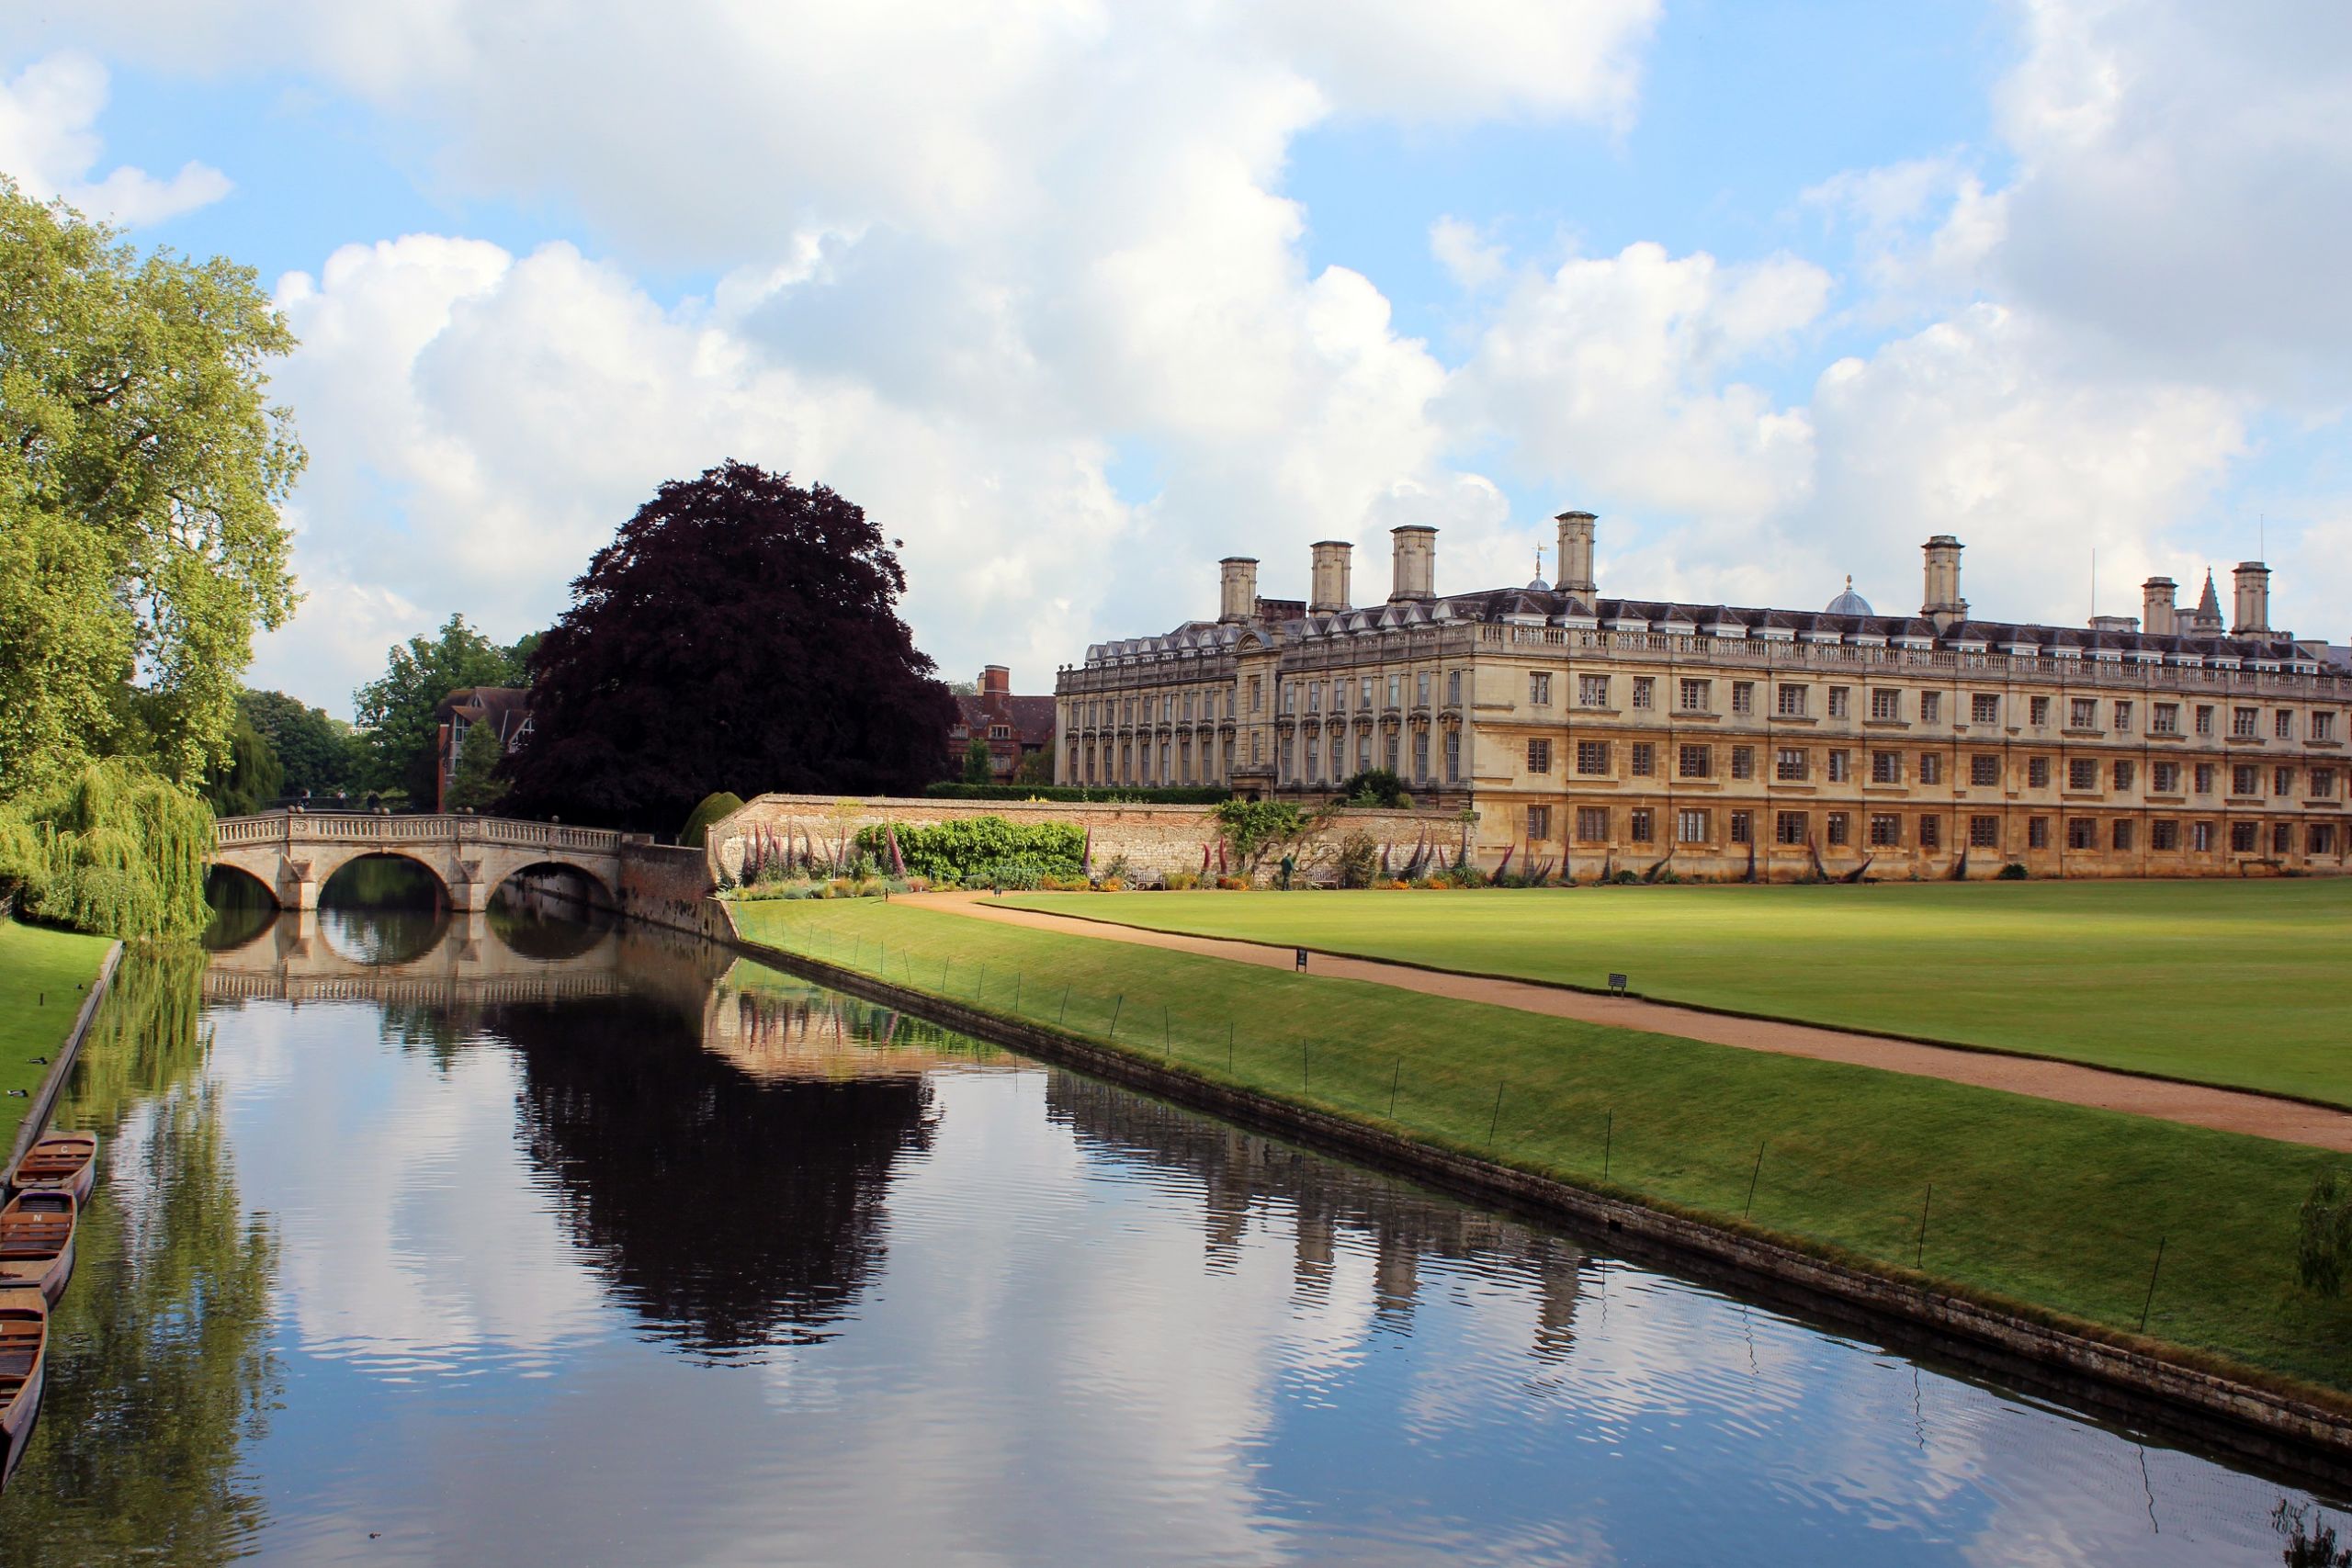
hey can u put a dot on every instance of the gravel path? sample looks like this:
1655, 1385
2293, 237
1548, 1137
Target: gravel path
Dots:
2231, 1111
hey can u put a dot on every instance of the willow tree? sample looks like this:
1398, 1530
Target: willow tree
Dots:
141, 471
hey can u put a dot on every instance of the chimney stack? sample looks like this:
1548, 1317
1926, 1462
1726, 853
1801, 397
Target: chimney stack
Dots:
1573, 568
2253, 579
1327, 585
1413, 558
1237, 589
996, 680
2159, 609
1944, 606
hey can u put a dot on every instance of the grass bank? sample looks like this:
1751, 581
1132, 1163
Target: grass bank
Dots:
44, 975
2053, 1206
2231, 983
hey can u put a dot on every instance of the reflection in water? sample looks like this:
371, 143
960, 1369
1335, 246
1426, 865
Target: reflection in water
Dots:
383, 909
545, 1245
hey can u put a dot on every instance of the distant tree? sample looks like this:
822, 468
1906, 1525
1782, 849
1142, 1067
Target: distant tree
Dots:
318, 751
1036, 768
250, 779
964, 688
978, 767
1374, 786
476, 783
142, 470
740, 633
400, 729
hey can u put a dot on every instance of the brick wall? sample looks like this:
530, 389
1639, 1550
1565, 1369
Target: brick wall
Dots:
666, 884
1156, 840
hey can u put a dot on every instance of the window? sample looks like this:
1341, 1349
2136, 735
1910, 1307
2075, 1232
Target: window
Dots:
1985, 709
1695, 695
1788, 765
2122, 718
2320, 840
2037, 773
2164, 778
1931, 707
2165, 719
1539, 822
1695, 762
1314, 696
1838, 834
1288, 756
1256, 692
2122, 832
1932, 767
2038, 712
1363, 694
1788, 827
1395, 690
2204, 778
1984, 833
2204, 719
1743, 828
1388, 753
2082, 834
2322, 784
1421, 754
1645, 691
2083, 712
1841, 766
2163, 834
1592, 758
2241, 840
1887, 830
1453, 756
1689, 826
1792, 700
1644, 760
1363, 752
2246, 780
1539, 756
1592, 824
2283, 724
1984, 770
1338, 696
1592, 690
1886, 767
1314, 757
2201, 836
2323, 726
1743, 696
2242, 723
1539, 688
1886, 703
2037, 832
1453, 688
2122, 776
1931, 833
1421, 689
1290, 697
2082, 773
1640, 826
2282, 781
1841, 702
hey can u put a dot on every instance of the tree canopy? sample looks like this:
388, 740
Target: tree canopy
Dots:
142, 470
476, 783
740, 634
318, 752
397, 711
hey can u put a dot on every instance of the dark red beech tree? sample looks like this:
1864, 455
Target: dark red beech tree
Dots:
741, 632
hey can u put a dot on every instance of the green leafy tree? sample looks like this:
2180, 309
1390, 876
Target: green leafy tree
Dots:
142, 470
317, 752
250, 779
396, 711
477, 784
977, 768
1036, 768
1374, 786
1256, 830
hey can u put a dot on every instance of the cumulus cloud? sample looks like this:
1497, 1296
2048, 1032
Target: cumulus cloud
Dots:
50, 144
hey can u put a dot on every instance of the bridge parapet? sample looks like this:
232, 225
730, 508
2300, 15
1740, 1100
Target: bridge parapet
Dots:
293, 853
368, 827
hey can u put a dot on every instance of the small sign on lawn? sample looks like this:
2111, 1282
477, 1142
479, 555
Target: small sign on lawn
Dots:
1617, 983
1301, 961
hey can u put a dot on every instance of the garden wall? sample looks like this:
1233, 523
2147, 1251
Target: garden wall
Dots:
1156, 840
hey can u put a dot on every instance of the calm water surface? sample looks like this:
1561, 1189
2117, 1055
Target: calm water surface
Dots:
430, 1239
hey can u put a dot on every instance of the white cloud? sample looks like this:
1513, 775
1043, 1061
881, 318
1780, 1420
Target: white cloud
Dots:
50, 144
1468, 256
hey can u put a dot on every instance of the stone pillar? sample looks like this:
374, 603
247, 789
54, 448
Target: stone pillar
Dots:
1237, 598
295, 886
1943, 604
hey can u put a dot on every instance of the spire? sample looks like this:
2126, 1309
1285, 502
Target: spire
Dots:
2207, 620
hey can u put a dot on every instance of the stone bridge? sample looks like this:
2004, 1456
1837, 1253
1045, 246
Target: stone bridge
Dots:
292, 960
292, 853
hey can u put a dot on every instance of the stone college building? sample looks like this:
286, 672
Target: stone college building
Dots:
1630, 734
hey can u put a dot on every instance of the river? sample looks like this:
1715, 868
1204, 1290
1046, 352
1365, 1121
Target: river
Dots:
429, 1238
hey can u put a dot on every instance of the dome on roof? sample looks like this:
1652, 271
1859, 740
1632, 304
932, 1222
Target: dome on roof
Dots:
1849, 602
1539, 586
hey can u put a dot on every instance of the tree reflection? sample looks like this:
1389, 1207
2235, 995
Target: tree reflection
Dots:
158, 1366
735, 1214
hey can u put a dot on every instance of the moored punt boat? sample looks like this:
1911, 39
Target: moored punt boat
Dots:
65, 1161
24, 1352
37, 1241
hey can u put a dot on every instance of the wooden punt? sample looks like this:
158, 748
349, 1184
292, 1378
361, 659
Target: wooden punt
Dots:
67, 1161
24, 1353
37, 1241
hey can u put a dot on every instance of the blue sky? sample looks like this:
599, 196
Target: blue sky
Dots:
1079, 299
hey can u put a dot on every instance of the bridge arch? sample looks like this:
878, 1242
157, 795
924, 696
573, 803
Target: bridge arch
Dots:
294, 853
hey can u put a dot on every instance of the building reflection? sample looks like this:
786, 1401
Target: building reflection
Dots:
1333, 1208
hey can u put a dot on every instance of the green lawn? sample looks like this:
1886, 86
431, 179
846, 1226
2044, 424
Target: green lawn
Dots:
2053, 1205
41, 976
2241, 983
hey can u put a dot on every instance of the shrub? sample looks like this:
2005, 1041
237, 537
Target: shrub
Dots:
1179, 882
2013, 872
1233, 883
710, 809
2324, 1242
1374, 786
979, 851
1359, 861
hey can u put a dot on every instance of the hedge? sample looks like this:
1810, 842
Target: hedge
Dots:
981, 851
1180, 794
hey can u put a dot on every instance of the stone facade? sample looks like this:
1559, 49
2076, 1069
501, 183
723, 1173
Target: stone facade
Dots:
1155, 841
1724, 742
